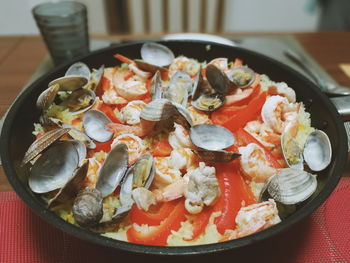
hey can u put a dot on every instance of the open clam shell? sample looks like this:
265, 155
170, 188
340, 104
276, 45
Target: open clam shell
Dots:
47, 97
183, 113
79, 69
143, 65
220, 156
180, 86
70, 83
242, 77
80, 100
155, 87
208, 102
292, 153
291, 186
217, 79
94, 123
157, 110
156, 54
54, 168
113, 169
317, 151
211, 137
141, 174
72, 187
43, 142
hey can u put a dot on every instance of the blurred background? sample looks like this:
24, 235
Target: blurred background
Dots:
168, 16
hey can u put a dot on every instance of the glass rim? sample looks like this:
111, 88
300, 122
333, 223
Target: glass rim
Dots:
80, 7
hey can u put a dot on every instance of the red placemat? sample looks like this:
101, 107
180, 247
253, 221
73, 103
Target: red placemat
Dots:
322, 237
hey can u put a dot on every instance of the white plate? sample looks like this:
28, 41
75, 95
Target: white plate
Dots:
199, 36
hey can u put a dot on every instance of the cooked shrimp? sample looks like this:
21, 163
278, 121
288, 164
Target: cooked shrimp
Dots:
280, 115
198, 117
164, 173
180, 138
111, 96
183, 158
136, 147
143, 198
139, 72
190, 66
263, 133
141, 129
130, 114
254, 163
172, 191
256, 217
282, 89
132, 89
220, 63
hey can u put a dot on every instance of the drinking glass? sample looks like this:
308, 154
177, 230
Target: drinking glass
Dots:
63, 26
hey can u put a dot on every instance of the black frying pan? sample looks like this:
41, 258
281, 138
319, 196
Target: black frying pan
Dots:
16, 138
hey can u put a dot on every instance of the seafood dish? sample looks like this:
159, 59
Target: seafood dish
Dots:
170, 151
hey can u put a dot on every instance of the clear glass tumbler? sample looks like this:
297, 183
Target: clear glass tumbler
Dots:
63, 26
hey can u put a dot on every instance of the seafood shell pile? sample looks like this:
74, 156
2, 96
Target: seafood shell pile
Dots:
165, 150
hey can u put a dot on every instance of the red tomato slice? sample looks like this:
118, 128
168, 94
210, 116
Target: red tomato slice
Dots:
108, 110
162, 149
103, 146
247, 114
234, 193
154, 216
159, 235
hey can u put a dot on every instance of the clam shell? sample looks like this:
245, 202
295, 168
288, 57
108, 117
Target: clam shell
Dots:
155, 87
143, 65
157, 110
94, 123
208, 102
216, 156
182, 111
72, 187
290, 186
43, 142
47, 97
317, 151
242, 77
113, 169
217, 79
291, 150
75, 101
211, 137
79, 69
87, 208
180, 86
81, 149
156, 54
54, 168
69, 83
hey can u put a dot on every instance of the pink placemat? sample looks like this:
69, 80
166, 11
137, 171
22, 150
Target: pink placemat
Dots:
322, 237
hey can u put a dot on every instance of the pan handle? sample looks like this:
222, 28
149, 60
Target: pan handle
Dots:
343, 106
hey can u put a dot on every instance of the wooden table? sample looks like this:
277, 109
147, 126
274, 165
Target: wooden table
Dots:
21, 55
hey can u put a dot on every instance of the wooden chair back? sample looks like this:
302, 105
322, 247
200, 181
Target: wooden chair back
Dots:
157, 16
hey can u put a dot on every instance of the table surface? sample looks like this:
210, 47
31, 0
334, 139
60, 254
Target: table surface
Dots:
21, 55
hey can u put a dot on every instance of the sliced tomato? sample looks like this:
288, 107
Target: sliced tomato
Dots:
123, 59
245, 138
103, 146
200, 222
154, 216
159, 235
249, 113
105, 85
234, 193
162, 149
108, 110
223, 114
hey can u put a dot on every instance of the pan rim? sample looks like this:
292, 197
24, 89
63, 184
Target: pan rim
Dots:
57, 222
